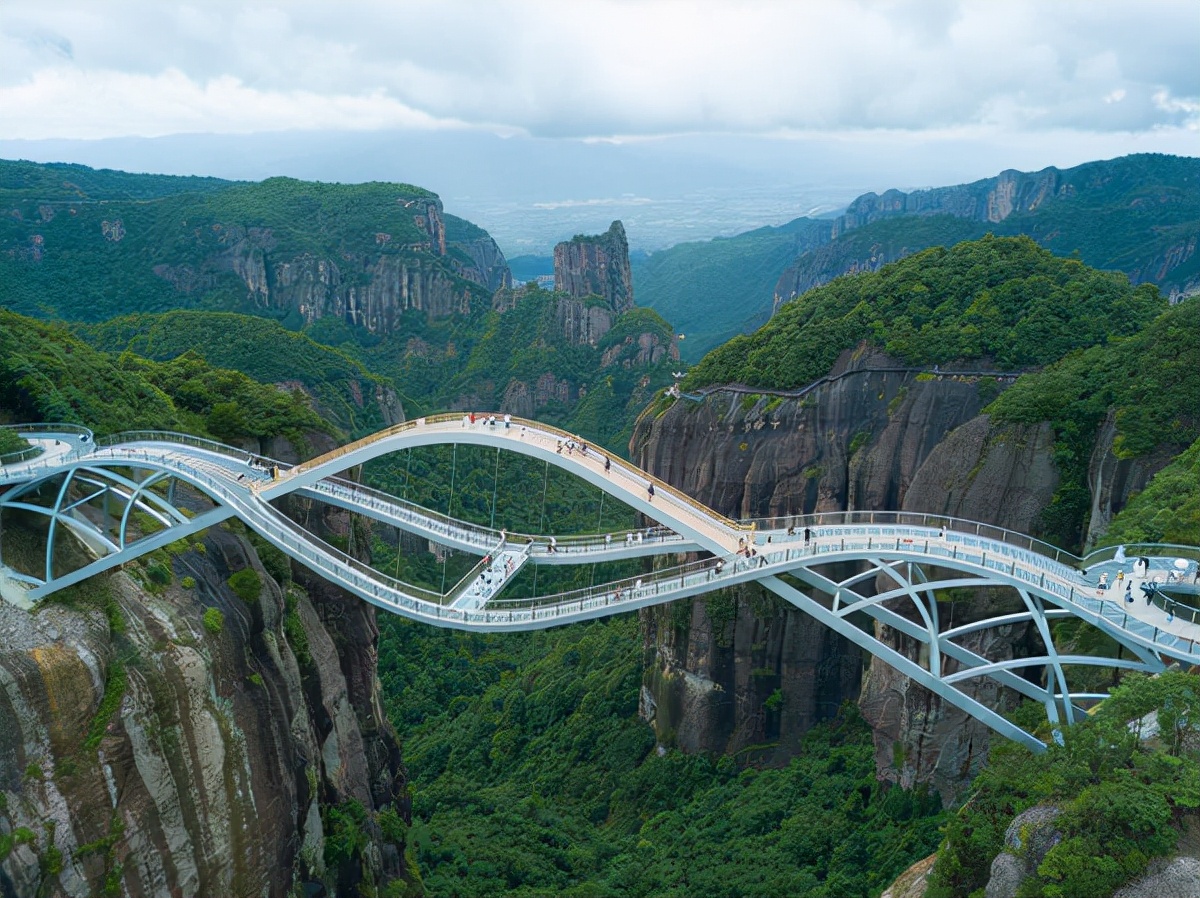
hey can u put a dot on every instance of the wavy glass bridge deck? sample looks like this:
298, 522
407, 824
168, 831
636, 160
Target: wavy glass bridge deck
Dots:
858, 572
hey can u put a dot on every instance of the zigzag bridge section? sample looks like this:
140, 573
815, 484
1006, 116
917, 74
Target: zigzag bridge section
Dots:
871, 576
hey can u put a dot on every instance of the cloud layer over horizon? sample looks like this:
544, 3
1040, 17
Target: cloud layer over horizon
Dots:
602, 69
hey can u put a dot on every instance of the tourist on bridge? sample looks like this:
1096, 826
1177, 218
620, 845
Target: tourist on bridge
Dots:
807, 535
650, 493
607, 464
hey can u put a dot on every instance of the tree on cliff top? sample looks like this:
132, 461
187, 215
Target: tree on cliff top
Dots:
1000, 298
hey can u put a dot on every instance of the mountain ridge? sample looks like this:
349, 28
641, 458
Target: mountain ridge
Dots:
1149, 205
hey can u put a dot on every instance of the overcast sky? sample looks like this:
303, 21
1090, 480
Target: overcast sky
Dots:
598, 68
685, 118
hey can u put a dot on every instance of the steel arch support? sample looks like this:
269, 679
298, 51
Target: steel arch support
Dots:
62, 493
949, 649
905, 665
135, 550
935, 652
1054, 662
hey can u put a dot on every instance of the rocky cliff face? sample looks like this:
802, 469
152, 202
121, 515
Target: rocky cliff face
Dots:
366, 291
488, 267
596, 266
1113, 479
990, 200
854, 443
868, 439
369, 290
979, 471
1121, 190
583, 322
177, 738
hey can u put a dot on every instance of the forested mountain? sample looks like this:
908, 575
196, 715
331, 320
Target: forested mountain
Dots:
342, 389
1001, 301
714, 290
376, 276
724, 745
1136, 214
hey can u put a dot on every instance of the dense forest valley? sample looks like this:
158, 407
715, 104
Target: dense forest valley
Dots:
215, 719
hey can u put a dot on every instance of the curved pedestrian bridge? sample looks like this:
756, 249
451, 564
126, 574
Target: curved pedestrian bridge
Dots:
874, 577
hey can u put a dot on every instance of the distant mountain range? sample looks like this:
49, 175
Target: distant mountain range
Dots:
1137, 214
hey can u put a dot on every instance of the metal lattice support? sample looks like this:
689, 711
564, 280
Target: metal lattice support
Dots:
918, 585
103, 484
862, 573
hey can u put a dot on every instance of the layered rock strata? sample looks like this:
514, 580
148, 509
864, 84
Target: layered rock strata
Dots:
596, 266
867, 439
196, 727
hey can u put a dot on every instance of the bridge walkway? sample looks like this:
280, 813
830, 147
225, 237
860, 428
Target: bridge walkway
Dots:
907, 537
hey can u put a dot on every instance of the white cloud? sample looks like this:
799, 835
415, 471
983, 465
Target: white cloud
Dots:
596, 68
48, 105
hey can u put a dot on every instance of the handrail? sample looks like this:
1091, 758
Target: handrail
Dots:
333, 454
20, 455
1019, 558
167, 436
352, 491
49, 427
535, 427
31, 452
773, 525
659, 575
472, 575
798, 392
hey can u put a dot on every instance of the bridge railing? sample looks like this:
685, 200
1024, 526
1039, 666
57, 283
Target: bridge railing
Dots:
394, 430
21, 455
184, 439
910, 519
631, 470
478, 534
50, 427
324, 556
350, 491
535, 427
613, 592
32, 452
961, 526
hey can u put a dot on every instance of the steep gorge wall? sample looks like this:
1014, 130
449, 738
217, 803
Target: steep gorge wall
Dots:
870, 440
858, 440
365, 289
180, 739
596, 266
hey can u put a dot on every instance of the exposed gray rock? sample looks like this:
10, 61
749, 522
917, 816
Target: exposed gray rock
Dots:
596, 266
1177, 878
760, 456
208, 777
1028, 839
